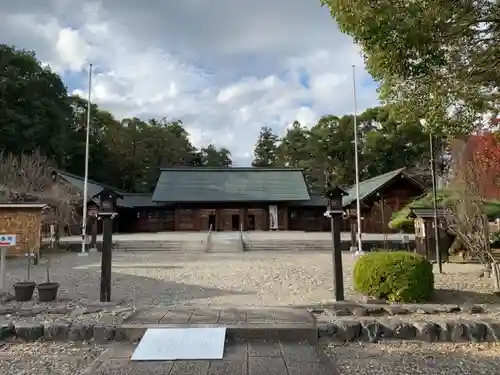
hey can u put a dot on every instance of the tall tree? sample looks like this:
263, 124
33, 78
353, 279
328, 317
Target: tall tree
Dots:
214, 157
436, 59
100, 150
326, 151
34, 108
393, 144
292, 150
265, 151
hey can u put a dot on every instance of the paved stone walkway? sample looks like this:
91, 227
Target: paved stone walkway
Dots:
240, 358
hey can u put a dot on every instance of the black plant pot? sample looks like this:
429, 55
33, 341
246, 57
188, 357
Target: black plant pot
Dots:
47, 292
24, 290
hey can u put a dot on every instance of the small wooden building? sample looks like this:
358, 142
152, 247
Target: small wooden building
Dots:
380, 197
425, 238
25, 221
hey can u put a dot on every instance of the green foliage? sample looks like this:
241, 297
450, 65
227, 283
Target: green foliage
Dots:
213, 157
435, 59
445, 198
34, 106
394, 276
326, 150
266, 148
36, 113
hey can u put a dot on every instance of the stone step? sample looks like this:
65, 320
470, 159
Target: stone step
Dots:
135, 246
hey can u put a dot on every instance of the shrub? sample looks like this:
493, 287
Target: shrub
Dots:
394, 276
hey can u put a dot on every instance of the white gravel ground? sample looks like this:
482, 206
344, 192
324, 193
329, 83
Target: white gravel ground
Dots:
46, 358
230, 279
403, 358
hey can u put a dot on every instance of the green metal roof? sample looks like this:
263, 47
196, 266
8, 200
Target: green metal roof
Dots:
93, 187
138, 200
315, 201
366, 188
206, 184
370, 186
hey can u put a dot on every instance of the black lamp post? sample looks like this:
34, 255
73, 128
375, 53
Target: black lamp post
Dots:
107, 199
335, 212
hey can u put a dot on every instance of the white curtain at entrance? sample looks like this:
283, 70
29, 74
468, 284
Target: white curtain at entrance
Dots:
273, 217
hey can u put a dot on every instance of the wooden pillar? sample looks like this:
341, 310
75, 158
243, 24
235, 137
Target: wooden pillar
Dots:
285, 218
267, 218
354, 228
93, 239
243, 212
218, 217
176, 218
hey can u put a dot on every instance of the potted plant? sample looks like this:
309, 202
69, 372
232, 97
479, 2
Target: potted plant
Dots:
23, 290
47, 291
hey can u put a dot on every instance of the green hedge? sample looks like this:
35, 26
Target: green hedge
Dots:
394, 276
445, 197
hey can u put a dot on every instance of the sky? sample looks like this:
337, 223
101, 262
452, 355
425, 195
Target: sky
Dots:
224, 67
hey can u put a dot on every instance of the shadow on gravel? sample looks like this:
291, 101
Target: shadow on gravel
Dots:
142, 266
79, 279
462, 297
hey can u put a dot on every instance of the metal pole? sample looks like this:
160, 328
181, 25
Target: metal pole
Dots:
106, 258
86, 178
3, 256
434, 203
338, 273
356, 161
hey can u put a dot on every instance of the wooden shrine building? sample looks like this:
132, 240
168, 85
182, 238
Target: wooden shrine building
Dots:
225, 199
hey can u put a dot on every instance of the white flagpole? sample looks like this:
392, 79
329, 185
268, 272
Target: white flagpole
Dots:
86, 178
356, 163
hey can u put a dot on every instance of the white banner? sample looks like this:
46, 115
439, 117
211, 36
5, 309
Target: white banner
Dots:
273, 217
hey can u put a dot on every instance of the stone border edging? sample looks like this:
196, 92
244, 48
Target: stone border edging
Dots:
101, 333
343, 331
385, 309
374, 331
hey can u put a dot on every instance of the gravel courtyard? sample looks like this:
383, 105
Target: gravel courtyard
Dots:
403, 358
385, 358
229, 279
46, 358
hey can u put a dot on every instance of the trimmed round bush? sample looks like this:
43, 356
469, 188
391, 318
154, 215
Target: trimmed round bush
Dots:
394, 276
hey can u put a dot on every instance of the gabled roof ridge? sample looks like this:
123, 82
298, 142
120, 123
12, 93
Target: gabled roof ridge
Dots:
69, 174
379, 181
231, 169
394, 172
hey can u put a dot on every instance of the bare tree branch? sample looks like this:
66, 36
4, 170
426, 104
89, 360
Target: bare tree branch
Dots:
467, 217
30, 178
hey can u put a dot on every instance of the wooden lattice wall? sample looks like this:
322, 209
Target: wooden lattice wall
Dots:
25, 223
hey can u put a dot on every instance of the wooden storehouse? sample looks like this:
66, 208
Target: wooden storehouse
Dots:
380, 197
24, 220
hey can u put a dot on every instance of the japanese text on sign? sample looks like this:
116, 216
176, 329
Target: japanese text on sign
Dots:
7, 240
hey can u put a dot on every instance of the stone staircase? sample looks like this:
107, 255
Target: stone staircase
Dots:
225, 242
287, 245
195, 246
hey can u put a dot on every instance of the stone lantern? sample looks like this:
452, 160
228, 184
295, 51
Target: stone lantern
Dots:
108, 211
335, 212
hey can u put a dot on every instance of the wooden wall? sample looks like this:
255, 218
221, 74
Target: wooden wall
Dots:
26, 224
260, 217
391, 199
197, 218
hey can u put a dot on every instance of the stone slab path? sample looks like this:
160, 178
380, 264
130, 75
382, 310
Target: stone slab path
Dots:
240, 358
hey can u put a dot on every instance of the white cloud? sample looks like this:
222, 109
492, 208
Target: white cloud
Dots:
236, 67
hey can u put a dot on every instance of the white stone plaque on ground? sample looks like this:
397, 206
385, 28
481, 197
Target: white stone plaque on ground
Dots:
170, 344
